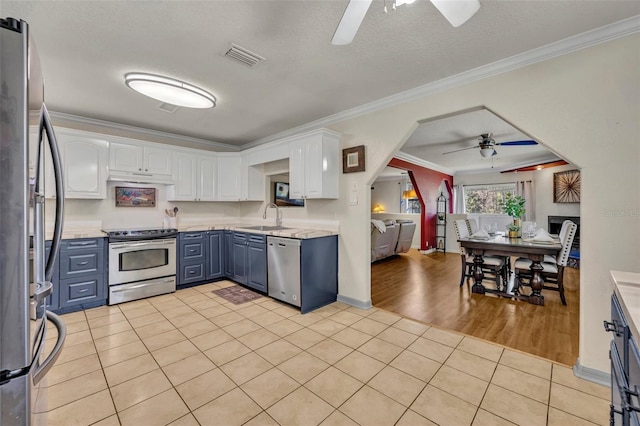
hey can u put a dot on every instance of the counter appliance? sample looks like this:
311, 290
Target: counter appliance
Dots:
23, 115
283, 269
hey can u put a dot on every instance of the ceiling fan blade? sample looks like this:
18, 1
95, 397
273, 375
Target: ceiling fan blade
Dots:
457, 12
461, 149
350, 22
518, 143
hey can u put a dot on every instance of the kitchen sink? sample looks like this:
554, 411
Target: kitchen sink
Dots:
264, 228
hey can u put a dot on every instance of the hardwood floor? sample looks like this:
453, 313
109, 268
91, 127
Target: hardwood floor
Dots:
425, 288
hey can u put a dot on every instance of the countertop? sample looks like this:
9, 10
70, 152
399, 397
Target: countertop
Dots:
288, 232
626, 285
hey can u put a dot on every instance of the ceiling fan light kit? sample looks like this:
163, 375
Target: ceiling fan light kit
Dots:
169, 90
457, 12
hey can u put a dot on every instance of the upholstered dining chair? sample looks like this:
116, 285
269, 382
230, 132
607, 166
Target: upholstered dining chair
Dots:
472, 226
553, 273
491, 264
563, 230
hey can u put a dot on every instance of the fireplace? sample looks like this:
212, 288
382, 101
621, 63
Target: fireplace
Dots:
555, 223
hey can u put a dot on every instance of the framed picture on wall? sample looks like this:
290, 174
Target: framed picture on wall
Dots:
135, 197
566, 187
353, 159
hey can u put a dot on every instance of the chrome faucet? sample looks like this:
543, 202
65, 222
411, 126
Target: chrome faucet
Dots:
278, 216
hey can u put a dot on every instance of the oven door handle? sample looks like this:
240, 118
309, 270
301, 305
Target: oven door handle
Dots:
142, 244
133, 287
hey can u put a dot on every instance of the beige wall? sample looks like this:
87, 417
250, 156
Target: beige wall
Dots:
585, 107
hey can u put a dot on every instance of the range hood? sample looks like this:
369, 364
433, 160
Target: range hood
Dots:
137, 177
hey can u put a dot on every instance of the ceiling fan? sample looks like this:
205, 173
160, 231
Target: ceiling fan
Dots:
457, 12
487, 145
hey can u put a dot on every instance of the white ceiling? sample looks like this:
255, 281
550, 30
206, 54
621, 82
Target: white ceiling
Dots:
86, 47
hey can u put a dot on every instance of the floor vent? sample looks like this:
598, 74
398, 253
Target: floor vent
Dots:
243, 55
170, 108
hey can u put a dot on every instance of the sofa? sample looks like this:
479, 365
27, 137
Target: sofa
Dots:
390, 237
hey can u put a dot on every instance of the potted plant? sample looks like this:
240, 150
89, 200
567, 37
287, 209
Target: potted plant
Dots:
513, 205
514, 230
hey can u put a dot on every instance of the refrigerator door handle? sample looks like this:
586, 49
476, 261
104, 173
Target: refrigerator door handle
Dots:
43, 290
45, 124
41, 369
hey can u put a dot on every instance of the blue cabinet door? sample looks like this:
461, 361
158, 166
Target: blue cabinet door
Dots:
228, 254
192, 257
257, 265
239, 254
215, 265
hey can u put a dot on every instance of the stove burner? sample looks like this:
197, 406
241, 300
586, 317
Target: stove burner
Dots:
141, 234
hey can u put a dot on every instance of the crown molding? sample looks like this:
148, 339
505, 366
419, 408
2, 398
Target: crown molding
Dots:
76, 119
590, 38
423, 163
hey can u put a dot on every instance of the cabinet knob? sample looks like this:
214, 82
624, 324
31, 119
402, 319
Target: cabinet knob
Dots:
139, 169
146, 170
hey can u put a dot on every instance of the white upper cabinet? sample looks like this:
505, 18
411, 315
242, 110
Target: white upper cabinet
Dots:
137, 161
195, 177
229, 177
314, 165
252, 178
84, 165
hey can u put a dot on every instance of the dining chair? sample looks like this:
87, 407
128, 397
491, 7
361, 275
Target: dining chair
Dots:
549, 258
552, 272
472, 226
491, 264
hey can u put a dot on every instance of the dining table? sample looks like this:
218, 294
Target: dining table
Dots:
502, 245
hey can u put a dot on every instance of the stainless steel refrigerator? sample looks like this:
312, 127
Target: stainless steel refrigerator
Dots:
23, 314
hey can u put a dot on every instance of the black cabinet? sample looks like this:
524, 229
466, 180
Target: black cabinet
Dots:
249, 260
82, 274
200, 257
625, 369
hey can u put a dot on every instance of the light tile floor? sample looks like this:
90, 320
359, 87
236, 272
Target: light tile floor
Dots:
192, 358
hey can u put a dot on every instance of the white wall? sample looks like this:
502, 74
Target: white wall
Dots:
570, 103
387, 193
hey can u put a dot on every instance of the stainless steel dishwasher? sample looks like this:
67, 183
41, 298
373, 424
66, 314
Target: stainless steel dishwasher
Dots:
283, 271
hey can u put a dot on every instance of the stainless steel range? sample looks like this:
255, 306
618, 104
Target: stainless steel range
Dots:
142, 263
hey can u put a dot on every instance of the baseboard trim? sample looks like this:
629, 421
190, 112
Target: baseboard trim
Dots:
592, 375
355, 302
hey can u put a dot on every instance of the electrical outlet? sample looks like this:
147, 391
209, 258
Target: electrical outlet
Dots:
353, 201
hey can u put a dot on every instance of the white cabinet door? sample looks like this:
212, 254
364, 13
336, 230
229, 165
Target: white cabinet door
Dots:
84, 163
157, 161
252, 181
296, 170
229, 177
313, 165
207, 177
185, 178
125, 157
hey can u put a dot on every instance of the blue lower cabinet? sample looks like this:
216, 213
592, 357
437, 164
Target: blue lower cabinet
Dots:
228, 254
257, 265
215, 255
318, 272
200, 257
249, 263
82, 274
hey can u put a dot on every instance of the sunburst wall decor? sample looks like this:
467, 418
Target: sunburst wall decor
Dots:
566, 187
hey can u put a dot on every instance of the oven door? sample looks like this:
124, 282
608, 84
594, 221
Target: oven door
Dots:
141, 260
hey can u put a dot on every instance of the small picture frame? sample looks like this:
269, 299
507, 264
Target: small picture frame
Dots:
135, 197
353, 159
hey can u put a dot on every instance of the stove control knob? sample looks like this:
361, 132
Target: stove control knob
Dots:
117, 232
125, 232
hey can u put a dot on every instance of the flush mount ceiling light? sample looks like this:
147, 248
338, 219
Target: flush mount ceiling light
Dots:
169, 90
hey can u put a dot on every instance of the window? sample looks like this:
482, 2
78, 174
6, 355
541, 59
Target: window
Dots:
486, 198
409, 202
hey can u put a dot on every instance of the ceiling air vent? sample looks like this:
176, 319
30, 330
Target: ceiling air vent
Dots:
170, 108
243, 55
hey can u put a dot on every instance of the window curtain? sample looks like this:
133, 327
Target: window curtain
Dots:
458, 199
525, 188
